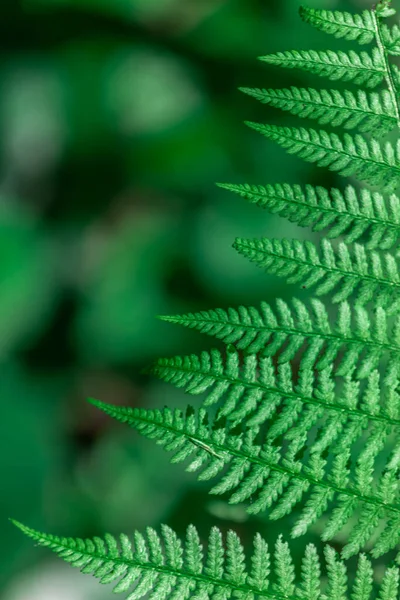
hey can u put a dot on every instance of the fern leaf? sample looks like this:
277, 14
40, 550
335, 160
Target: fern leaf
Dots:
355, 341
391, 39
384, 9
390, 585
349, 213
275, 481
341, 24
366, 159
171, 568
250, 390
364, 576
361, 271
361, 69
362, 111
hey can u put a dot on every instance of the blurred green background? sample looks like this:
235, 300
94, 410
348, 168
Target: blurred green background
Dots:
116, 118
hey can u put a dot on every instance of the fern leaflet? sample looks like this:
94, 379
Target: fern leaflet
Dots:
362, 271
171, 569
349, 213
251, 391
361, 69
368, 160
356, 341
268, 478
341, 24
391, 39
366, 112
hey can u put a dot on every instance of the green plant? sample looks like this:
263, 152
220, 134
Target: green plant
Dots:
293, 398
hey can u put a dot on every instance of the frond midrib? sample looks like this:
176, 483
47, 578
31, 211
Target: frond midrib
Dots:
354, 412
318, 16
316, 207
246, 243
321, 104
301, 59
274, 467
179, 574
282, 132
387, 68
282, 329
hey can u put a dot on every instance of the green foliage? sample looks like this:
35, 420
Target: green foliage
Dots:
352, 214
361, 69
252, 386
171, 568
360, 110
369, 160
391, 39
357, 340
342, 270
384, 9
301, 417
341, 24
266, 477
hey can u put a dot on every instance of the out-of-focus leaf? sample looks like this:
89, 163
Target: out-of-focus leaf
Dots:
119, 7
50, 581
147, 91
31, 451
244, 28
124, 8
32, 117
124, 471
125, 291
28, 283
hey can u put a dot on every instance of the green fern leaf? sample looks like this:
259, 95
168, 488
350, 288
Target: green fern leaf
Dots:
366, 112
172, 569
383, 9
250, 390
355, 341
271, 479
391, 39
364, 577
349, 213
341, 24
367, 273
366, 159
361, 69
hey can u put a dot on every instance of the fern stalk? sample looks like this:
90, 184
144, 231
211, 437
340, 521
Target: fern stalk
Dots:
388, 71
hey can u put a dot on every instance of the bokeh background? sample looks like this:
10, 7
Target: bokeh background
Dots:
116, 119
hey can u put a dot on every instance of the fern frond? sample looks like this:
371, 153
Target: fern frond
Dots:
351, 213
361, 69
270, 479
172, 569
250, 390
362, 111
341, 24
369, 160
365, 272
357, 340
